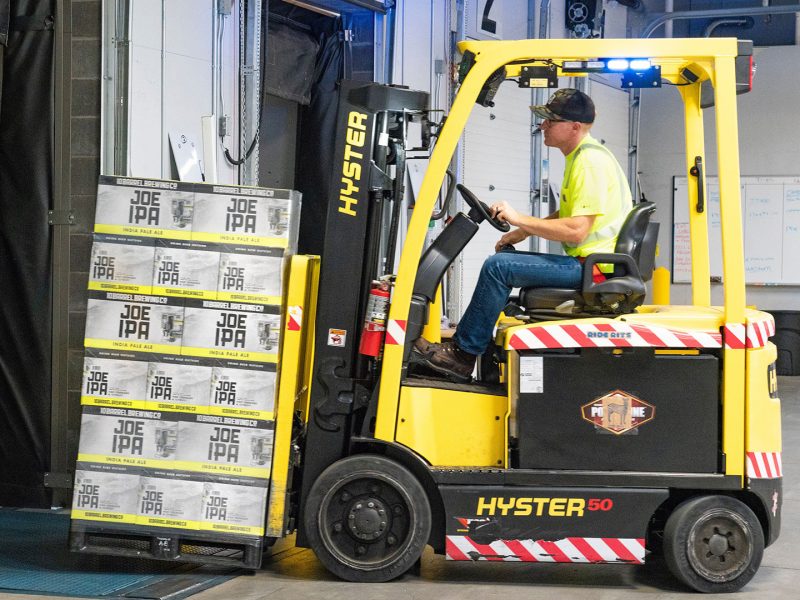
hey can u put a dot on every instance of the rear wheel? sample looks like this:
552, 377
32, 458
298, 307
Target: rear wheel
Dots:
713, 544
367, 519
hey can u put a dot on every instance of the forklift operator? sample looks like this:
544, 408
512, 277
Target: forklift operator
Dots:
595, 200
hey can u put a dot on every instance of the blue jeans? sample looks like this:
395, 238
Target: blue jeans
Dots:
502, 272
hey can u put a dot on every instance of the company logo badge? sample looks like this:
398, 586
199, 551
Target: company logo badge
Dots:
618, 412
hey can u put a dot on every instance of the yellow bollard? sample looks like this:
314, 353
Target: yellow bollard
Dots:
433, 328
661, 286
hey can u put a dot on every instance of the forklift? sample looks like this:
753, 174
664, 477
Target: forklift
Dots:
597, 430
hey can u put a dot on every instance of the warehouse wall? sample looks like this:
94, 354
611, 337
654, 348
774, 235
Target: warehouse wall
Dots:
80, 172
768, 132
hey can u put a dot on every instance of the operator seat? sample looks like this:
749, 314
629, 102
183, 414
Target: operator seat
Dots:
623, 290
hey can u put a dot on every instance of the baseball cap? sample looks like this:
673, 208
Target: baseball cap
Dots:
567, 105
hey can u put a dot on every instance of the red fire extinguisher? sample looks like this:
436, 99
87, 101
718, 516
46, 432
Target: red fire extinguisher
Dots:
375, 319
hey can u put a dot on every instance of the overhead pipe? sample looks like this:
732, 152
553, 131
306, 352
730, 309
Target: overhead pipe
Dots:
738, 22
720, 12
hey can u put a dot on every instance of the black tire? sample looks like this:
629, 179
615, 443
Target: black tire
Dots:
713, 544
367, 519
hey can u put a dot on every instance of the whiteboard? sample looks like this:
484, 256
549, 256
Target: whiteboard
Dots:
771, 222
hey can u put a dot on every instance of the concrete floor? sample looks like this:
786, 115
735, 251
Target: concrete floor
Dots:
296, 573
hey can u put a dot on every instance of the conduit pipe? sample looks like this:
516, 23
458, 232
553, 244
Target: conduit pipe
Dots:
739, 22
720, 12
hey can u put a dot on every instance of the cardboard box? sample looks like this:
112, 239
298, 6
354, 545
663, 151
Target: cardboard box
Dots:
134, 322
126, 436
114, 382
234, 508
243, 391
185, 269
225, 445
123, 264
173, 502
144, 207
105, 493
231, 330
251, 275
175, 386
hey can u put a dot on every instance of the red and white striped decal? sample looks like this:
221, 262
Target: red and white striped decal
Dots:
567, 550
759, 331
764, 465
396, 332
735, 335
607, 335
295, 321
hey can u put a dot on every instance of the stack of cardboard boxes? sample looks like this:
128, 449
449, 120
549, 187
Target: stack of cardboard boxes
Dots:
182, 337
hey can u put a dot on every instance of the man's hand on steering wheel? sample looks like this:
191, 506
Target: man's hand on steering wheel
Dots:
503, 211
480, 211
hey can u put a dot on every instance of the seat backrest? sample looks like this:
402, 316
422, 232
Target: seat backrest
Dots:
637, 238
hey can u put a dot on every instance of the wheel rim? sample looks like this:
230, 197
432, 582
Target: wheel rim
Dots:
720, 545
365, 521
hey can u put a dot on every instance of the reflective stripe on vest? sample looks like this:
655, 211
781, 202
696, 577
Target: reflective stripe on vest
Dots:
609, 231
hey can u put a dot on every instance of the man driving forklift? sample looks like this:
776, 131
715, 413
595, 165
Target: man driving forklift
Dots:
595, 199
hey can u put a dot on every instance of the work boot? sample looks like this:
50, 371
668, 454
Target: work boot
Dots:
422, 347
446, 359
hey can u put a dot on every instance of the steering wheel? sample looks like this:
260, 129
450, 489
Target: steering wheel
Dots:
483, 211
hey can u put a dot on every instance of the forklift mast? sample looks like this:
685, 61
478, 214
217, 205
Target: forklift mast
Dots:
369, 138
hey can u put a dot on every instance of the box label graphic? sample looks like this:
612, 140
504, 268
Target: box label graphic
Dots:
134, 322
103, 494
185, 270
126, 437
175, 386
225, 445
231, 330
244, 392
251, 277
170, 502
243, 215
122, 264
234, 508
152, 208
113, 382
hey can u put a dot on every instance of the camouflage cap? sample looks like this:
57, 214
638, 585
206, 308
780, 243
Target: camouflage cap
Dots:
567, 105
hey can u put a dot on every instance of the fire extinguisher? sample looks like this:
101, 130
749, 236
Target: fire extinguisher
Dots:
375, 319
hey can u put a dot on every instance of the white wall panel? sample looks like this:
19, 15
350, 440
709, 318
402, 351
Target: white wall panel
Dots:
188, 27
146, 23
187, 86
144, 125
171, 87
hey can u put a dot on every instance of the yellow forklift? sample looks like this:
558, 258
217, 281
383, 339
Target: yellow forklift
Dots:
598, 429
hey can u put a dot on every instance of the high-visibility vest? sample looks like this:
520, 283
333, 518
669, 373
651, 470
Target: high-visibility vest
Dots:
603, 235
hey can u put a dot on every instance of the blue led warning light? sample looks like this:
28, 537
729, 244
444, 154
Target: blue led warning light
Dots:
639, 64
617, 64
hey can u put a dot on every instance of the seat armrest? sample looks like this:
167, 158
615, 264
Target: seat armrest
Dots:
623, 260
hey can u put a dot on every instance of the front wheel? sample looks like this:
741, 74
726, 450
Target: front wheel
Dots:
713, 544
367, 519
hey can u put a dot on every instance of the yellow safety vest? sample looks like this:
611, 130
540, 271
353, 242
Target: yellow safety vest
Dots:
611, 205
